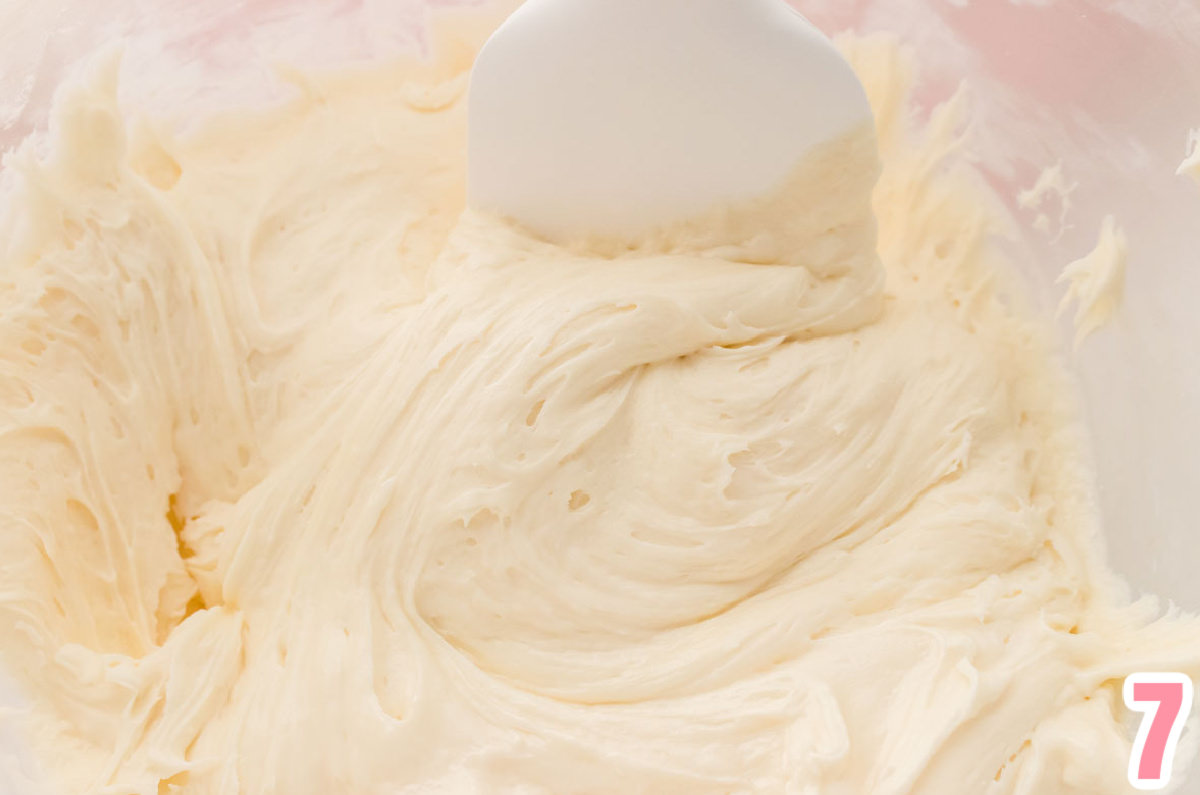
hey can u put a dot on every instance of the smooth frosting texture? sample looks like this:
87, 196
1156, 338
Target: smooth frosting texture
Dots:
1191, 164
1096, 282
314, 483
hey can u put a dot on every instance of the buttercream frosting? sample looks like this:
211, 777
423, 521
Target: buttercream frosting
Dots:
315, 482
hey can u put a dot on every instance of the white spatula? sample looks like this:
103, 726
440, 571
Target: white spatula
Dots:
613, 117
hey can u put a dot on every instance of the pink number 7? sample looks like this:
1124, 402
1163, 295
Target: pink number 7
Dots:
1166, 700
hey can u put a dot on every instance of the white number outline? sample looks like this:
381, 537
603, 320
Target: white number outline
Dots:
1150, 710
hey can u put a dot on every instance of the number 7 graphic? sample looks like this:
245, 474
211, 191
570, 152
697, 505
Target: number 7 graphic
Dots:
1166, 700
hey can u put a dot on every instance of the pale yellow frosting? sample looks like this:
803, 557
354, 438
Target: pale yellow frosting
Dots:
312, 483
1191, 164
1096, 282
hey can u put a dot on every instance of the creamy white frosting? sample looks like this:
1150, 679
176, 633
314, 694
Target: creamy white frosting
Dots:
1096, 282
1191, 164
313, 483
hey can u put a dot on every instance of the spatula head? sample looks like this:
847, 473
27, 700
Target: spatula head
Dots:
613, 117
